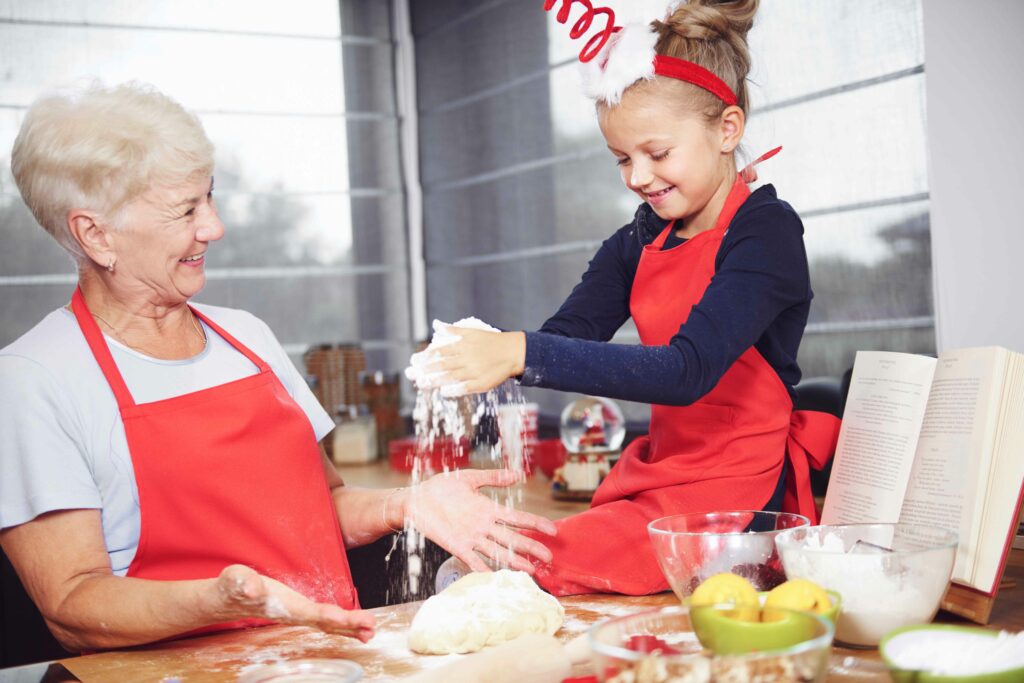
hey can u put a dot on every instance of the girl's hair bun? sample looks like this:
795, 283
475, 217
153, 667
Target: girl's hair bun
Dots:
712, 19
712, 33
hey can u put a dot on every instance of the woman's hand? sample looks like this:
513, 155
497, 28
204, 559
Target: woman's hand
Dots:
480, 360
240, 593
449, 510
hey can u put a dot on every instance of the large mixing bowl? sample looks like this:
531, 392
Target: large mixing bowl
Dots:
692, 547
889, 575
662, 645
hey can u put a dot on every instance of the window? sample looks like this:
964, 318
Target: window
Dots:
299, 102
844, 93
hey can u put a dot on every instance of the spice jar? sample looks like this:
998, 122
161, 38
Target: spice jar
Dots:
354, 439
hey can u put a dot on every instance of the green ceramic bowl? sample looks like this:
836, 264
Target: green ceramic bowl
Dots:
944, 637
720, 631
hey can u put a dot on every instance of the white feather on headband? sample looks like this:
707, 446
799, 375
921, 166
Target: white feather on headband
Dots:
629, 55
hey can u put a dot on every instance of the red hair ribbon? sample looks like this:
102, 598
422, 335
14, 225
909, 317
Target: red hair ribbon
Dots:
582, 25
696, 74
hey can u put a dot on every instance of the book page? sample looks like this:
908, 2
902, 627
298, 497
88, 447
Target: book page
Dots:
1005, 489
954, 447
878, 438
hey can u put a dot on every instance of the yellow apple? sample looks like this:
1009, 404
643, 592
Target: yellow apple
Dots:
729, 589
797, 594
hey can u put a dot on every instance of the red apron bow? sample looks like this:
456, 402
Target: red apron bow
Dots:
811, 443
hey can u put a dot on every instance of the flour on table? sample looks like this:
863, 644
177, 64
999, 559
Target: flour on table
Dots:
481, 609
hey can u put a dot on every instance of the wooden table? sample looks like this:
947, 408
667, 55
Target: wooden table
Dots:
223, 656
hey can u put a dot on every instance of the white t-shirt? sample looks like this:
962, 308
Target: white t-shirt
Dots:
62, 442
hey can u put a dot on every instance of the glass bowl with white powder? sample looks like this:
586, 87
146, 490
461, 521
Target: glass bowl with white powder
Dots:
889, 575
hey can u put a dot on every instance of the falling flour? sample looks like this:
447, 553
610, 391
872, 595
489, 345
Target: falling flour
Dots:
442, 416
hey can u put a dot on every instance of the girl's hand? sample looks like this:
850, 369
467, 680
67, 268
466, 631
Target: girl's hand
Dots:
449, 510
480, 360
240, 593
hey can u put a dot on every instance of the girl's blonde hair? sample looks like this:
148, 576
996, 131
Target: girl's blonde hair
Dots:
99, 149
713, 34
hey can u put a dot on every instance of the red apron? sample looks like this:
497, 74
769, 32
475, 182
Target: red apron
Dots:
230, 474
723, 452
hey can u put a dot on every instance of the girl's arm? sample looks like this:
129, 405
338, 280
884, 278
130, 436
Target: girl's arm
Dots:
762, 279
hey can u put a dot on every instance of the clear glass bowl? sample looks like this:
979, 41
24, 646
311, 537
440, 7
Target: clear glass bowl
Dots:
889, 575
692, 547
661, 645
306, 671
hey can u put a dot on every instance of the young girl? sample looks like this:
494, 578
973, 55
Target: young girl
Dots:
715, 278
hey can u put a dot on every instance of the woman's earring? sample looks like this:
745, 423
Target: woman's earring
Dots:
110, 265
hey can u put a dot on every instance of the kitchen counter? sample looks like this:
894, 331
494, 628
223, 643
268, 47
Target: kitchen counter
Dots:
386, 657
222, 657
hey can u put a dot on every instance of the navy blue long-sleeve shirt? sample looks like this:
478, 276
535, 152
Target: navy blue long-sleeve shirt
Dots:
760, 296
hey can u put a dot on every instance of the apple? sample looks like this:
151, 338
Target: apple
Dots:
797, 594
729, 589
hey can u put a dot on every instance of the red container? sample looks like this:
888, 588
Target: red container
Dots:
402, 454
547, 455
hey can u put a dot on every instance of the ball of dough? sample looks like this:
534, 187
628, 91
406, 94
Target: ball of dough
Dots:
481, 609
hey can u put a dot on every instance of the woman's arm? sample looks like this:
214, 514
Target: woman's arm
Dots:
62, 561
449, 510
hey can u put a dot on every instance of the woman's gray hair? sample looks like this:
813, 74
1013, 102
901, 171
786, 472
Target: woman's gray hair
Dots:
100, 148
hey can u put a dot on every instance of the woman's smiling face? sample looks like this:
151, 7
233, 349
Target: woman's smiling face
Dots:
161, 245
671, 159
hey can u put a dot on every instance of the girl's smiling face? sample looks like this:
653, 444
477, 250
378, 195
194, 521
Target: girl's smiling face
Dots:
671, 158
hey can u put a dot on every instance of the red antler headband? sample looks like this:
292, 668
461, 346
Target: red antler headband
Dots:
627, 54
582, 25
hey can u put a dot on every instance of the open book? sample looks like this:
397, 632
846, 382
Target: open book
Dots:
939, 442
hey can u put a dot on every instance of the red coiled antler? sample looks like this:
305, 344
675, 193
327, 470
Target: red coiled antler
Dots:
582, 25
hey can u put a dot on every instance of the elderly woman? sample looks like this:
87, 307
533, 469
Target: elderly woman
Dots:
161, 467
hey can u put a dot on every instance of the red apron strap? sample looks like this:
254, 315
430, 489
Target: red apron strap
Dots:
94, 338
239, 346
749, 173
738, 194
811, 443
659, 241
